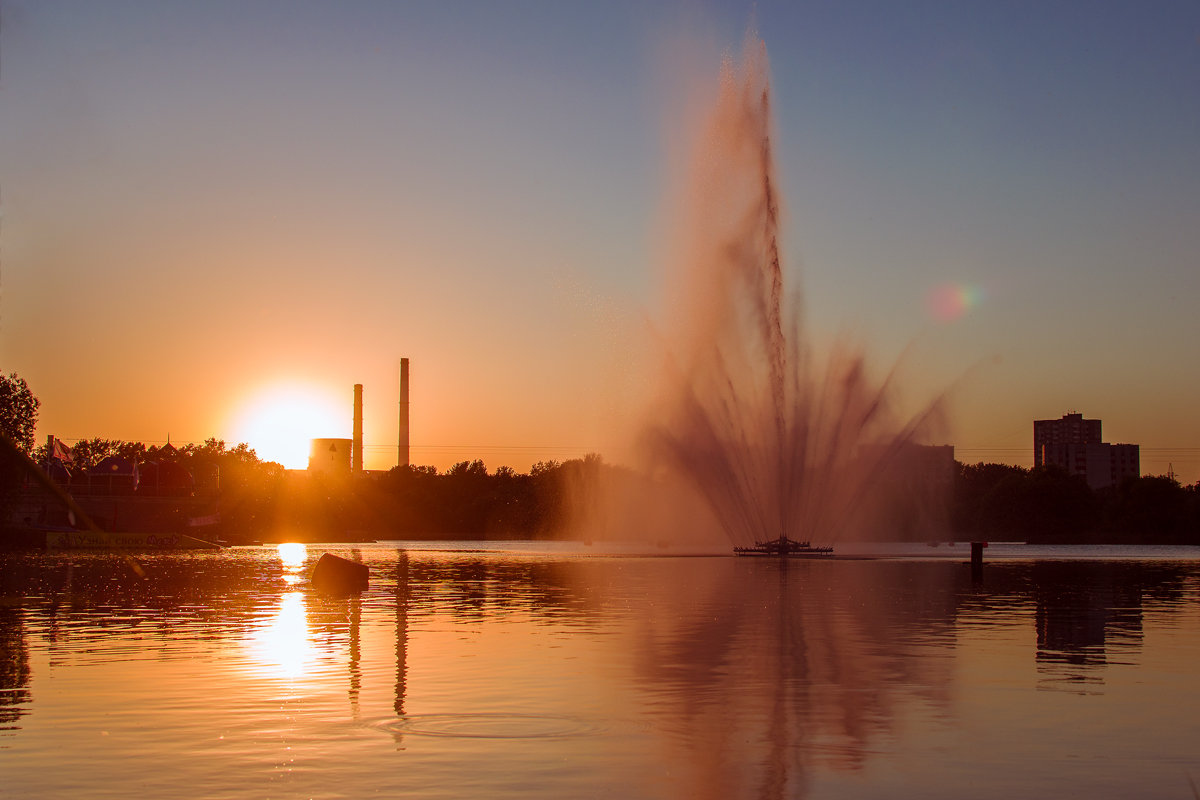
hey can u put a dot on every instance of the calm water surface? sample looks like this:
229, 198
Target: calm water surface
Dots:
528, 671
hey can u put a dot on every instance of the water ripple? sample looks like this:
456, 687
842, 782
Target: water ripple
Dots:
490, 726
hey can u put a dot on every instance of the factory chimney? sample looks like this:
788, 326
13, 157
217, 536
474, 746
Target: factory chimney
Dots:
402, 445
356, 459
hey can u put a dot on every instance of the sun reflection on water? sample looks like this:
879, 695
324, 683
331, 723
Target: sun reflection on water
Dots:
284, 644
292, 556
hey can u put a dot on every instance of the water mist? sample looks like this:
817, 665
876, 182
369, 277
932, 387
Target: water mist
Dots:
774, 440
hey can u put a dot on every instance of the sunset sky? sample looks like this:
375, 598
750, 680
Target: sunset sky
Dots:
219, 216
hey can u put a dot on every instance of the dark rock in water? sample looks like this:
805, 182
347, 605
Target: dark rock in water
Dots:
339, 575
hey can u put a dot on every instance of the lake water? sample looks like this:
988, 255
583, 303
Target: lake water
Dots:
537, 671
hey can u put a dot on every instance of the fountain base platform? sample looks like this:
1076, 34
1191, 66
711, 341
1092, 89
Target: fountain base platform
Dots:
785, 548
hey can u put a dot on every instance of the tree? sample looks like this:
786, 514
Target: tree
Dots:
87, 453
18, 411
1059, 506
985, 498
1149, 508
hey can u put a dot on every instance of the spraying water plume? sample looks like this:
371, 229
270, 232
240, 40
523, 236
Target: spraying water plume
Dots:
778, 444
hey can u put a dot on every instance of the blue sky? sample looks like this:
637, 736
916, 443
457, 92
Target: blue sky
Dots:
203, 201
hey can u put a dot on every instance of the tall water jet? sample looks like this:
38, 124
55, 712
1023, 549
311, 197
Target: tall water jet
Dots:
779, 444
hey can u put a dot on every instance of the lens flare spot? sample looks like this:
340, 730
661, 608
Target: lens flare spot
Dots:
951, 301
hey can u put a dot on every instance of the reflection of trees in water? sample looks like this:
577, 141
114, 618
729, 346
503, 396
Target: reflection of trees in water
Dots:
77, 601
77, 598
72, 594
474, 587
14, 652
776, 665
14, 667
757, 671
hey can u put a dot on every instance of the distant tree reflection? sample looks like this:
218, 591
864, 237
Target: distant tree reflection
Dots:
14, 667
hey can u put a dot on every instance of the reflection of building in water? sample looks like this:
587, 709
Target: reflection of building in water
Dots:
355, 667
1081, 634
402, 593
1086, 613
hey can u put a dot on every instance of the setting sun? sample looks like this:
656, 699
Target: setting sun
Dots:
280, 423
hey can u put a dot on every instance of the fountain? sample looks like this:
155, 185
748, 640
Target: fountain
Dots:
782, 447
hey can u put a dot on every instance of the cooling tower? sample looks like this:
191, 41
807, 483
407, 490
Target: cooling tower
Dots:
402, 444
356, 457
329, 456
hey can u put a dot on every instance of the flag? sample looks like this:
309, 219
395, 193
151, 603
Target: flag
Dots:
61, 452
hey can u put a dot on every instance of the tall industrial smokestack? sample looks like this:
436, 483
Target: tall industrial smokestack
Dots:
356, 457
402, 445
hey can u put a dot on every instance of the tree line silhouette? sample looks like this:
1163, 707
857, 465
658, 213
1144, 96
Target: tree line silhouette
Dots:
256, 499
1048, 505
252, 499
259, 499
